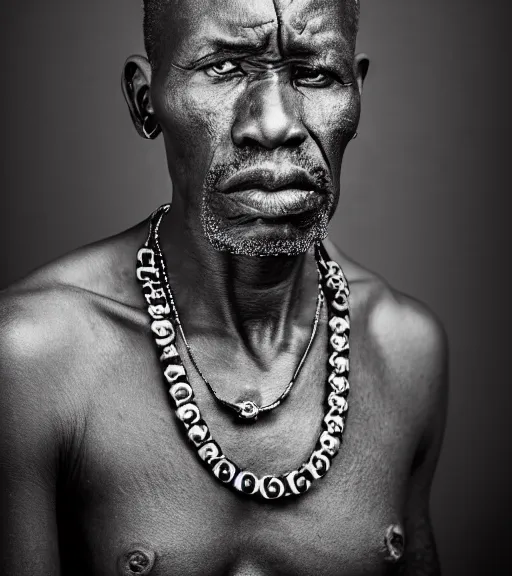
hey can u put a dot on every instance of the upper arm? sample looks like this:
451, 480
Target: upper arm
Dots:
30, 432
430, 366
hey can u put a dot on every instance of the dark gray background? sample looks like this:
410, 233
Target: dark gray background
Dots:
424, 196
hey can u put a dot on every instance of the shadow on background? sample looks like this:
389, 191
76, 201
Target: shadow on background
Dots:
424, 197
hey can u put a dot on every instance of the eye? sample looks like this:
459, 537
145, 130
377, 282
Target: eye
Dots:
312, 77
224, 68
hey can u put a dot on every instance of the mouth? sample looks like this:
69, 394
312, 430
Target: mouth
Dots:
270, 193
260, 203
269, 178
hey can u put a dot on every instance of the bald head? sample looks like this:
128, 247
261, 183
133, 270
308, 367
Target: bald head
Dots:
156, 19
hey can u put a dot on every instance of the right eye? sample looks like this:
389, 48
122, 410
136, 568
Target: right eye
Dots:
224, 68
312, 77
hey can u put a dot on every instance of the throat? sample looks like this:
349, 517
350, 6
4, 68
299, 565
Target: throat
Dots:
262, 303
267, 298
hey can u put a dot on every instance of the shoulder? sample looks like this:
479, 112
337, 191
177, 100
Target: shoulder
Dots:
54, 319
60, 302
409, 333
105, 268
42, 333
405, 334
57, 305
414, 347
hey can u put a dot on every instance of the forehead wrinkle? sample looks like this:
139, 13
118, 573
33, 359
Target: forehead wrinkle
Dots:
312, 12
250, 38
315, 26
206, 31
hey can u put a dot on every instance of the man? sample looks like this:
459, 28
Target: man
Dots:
256, 101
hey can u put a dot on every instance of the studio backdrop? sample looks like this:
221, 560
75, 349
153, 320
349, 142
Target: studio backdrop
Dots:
423, 197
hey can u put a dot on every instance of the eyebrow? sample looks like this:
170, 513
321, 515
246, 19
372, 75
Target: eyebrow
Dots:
222, 46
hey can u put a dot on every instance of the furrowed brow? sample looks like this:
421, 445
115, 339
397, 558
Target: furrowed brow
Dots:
222, 47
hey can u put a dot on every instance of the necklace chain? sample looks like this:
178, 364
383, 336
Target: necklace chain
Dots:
246, 410
269, 487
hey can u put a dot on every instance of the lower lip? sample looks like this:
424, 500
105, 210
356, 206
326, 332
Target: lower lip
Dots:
273, 204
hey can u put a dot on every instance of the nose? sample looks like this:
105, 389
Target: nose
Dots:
268, 117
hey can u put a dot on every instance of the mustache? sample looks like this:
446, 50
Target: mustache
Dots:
268, 171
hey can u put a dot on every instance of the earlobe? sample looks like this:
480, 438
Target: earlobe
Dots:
136, 84
361, 65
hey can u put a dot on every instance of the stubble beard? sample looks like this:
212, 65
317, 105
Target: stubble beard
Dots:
301, 234
224, 239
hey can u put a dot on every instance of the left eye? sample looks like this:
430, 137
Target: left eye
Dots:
312, 77
224, 68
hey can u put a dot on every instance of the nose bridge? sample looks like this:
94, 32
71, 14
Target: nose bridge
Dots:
269, 115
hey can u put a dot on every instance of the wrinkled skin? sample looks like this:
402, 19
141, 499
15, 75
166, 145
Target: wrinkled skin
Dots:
272, 88
95, 476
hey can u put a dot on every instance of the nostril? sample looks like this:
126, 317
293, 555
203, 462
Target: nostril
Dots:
248, 141
268, 141
294, 141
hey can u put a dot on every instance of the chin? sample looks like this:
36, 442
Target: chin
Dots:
264, 238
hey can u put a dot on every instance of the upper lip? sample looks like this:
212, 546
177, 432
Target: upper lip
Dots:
269, 179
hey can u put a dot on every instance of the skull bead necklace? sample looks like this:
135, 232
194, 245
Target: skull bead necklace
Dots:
152, 275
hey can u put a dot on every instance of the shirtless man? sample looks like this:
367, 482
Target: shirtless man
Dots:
256, 101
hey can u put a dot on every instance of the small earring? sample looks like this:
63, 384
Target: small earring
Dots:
355, 135
150, 127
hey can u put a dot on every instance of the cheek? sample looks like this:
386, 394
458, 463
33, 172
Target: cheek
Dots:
195, 121
332, 118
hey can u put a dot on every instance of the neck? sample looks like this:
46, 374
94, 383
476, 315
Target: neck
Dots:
255, 299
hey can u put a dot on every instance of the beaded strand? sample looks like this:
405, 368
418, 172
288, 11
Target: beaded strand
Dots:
269, 487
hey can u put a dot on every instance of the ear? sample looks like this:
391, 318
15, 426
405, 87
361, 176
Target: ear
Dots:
136, 86
361, 65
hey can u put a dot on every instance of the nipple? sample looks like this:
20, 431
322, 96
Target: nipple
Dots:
395, 543
139, 561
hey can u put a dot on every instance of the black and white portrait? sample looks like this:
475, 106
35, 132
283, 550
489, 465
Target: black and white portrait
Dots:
253, 296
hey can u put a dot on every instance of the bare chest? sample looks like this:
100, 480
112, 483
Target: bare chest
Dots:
141, 503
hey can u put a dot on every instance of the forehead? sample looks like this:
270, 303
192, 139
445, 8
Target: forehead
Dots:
196, 27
